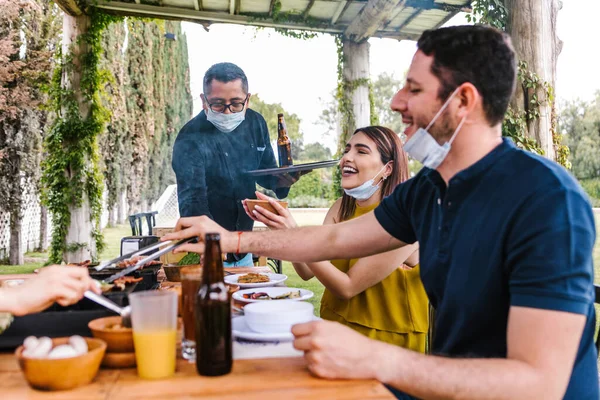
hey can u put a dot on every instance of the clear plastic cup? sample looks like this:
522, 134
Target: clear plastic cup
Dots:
154, 323
190, 284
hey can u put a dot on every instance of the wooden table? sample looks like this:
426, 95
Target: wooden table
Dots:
274, 378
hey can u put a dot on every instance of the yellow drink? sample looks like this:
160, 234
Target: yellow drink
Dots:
155, 353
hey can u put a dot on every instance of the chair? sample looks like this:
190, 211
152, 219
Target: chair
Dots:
274, 264
597, 301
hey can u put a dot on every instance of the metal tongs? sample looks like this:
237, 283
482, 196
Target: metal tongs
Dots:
168, 243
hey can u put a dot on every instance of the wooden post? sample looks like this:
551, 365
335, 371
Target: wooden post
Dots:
356, 76
532, 26
80, 243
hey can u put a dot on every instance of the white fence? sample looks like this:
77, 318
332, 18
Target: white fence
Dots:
30, 224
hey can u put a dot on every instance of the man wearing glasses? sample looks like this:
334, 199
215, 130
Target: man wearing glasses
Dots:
214, 149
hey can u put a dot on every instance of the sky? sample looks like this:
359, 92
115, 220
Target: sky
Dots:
301, 74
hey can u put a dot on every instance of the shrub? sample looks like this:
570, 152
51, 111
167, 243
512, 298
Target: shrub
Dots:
592, 187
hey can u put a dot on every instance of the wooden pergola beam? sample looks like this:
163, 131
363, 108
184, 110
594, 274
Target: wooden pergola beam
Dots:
70, 7
432, 5
271, 8
399, 8
409, 19
307, 9
339, 11
371, 17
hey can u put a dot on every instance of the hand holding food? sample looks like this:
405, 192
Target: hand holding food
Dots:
282, 220
61, 284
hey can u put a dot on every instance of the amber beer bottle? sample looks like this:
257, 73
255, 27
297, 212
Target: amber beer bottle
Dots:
284, 146
213, 314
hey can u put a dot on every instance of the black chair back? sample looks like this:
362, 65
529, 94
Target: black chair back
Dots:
597, 288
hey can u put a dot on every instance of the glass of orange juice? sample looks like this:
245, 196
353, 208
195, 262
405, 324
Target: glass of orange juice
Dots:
154, 323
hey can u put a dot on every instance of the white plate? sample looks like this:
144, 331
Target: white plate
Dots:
240, 329
274, 279
272, 291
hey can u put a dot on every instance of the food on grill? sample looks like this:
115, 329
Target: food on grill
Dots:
122, 282
80, 264
265, 296
253, 278
133, 260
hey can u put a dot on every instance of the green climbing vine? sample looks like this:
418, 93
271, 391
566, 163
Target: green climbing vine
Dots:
343, 92
71, 172
495, 13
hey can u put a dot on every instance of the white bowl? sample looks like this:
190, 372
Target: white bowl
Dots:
277, 316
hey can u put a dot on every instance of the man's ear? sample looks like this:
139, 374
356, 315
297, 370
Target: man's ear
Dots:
248, 100
469, 99
204, 102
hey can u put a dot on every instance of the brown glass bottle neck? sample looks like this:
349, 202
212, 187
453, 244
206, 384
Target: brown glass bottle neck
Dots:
213, 262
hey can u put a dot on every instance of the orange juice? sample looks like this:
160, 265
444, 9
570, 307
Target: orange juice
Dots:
155, 353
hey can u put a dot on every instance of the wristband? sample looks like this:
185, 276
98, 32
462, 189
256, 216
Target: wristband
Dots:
239, 241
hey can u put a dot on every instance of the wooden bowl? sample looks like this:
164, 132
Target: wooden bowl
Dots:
62, 373
250, 203
117, 340
172, 272
119, 360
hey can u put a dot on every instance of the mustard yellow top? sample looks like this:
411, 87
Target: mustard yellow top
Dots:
398, 304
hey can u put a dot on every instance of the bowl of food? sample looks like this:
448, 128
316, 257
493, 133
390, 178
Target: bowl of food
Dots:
173, 272
251, 203
119, 360
109, 329
277, 316
60, 363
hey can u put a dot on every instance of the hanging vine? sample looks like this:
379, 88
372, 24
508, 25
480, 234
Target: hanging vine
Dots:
71, 173
495, 13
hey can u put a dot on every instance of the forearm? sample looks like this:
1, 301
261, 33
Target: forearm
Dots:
336, 281
284, 245
433, 377
303, 270
7, 301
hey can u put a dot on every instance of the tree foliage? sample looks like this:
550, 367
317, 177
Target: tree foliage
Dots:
269, 111
579, 122
28, 36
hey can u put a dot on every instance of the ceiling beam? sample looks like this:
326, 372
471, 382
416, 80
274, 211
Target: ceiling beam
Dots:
70, 7
370, 18
307, 9
399, 8
271, 8
433, 5
408, 20
339, 11
175, 13
232, 7
198, 5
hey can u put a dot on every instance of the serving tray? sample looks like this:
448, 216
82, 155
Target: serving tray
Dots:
293, 168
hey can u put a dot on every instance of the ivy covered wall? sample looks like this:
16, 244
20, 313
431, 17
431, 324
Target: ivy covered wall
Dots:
150, 100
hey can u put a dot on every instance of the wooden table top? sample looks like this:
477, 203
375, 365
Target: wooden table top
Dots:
272, 378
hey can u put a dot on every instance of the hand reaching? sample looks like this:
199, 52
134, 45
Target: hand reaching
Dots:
61, 284
198, 227
274, 221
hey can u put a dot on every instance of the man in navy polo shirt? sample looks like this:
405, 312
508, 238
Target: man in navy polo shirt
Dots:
506, 241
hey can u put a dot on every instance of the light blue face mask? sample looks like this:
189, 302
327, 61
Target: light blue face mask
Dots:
424, 148
367, 189
225, 122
